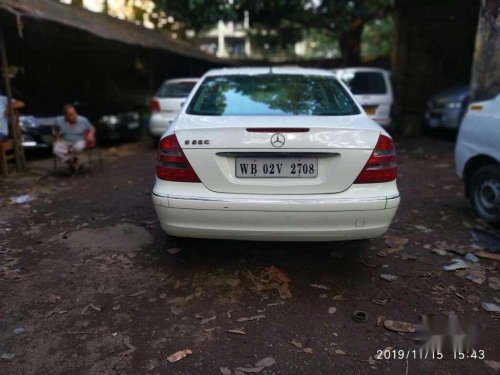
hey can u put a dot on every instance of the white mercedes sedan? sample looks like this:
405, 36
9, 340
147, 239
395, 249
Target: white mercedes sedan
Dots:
281, 154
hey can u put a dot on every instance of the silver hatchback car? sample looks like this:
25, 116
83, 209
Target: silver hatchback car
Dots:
447, 108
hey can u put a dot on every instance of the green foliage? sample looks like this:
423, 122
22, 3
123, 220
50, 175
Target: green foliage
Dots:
197, 14
278, 24
378, 37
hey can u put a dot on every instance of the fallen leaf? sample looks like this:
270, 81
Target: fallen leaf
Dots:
131, 348
332, 310
486, 255
237, 331
278, 275
318, 286
255, 317
207, 320
394, 244
440, 252
208, 330
261, 365
423, 228
388, 277
493, 364
251, 370
395, 241
273, 278
406, 256
307, 350
138, 293
266, 362
177, 356
397, 326
381, 302
296, 343
340, 352
176, 300
224, 371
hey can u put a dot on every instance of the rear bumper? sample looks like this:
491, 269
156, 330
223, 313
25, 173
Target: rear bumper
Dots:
277, 218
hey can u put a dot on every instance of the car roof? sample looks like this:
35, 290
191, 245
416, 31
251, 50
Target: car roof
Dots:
360, 69
267, 70
175, 80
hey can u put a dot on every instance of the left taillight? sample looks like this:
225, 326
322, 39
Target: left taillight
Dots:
381, 166
172, 164
155, 106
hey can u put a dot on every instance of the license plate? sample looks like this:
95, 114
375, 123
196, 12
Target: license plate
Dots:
133, 125
282, 167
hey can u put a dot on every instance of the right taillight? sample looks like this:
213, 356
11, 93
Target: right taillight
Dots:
172, 164
155, 106
381, 166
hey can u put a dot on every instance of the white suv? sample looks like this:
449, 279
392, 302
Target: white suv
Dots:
372, 89
477, 156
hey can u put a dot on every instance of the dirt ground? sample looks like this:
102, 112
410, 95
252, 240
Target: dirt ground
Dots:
87, 281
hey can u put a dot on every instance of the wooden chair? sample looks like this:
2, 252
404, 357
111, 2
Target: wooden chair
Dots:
6, 155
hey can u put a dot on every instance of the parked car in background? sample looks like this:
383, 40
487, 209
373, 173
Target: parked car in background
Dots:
120, 126
283, 154
447, 108
372, 89
167, 103
477, 157
36, 135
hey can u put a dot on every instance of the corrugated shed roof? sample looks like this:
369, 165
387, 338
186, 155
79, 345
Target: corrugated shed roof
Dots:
102, 26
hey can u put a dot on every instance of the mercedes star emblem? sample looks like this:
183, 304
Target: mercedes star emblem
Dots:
277, 140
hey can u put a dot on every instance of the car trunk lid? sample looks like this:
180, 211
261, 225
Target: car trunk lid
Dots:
337, 147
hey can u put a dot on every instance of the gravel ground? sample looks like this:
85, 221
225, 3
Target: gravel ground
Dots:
97, 288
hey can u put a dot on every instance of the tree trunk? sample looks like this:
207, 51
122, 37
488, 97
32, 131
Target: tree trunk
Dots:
485, 82
350, 42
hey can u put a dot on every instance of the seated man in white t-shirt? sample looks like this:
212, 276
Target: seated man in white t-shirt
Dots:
73, 133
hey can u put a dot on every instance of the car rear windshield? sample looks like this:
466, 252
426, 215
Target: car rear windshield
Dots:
175, 90
271, 95
367, 83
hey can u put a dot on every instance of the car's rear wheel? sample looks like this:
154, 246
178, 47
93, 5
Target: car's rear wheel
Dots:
485, 193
